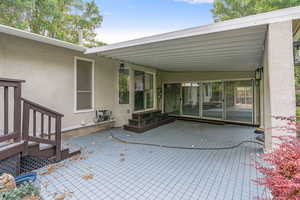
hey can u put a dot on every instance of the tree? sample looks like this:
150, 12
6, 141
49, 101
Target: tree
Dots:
59, 19
230, 9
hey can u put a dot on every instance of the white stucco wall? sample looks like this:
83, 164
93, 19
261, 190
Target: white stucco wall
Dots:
49, 75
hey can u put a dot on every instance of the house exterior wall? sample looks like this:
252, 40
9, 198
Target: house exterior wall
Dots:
49, 75
279, 85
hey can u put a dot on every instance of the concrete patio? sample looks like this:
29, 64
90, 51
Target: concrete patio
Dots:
109, 169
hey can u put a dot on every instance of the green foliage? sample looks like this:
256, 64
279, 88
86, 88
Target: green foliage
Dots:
60, 19
230, 9
21, 191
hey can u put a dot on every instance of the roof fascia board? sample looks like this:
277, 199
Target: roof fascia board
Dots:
239, 23
32, 36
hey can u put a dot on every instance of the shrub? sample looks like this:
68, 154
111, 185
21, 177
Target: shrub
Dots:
26, 189
281, 167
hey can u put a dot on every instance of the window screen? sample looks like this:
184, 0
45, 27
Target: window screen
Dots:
84, 87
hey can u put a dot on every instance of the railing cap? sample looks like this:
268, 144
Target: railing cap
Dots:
42, 107
12, 80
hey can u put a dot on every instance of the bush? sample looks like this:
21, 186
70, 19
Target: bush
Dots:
282, 176
26, 189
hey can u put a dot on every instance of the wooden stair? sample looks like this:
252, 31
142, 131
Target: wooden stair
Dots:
49, 151
29, 138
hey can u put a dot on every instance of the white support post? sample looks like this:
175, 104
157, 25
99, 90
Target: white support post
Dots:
279, 85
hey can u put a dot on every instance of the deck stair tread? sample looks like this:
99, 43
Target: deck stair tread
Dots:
8, 145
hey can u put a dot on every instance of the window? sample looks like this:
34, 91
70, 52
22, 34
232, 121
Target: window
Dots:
123, 86
243, 96
143, 90
84, 84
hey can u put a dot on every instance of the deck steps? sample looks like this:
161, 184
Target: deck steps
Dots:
49, 151
144, 121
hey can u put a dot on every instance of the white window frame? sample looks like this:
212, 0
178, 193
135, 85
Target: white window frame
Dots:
75, 85
128, 85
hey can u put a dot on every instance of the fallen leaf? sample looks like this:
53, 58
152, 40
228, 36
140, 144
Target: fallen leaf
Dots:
60, 196
31, 197
51, 169
88, 176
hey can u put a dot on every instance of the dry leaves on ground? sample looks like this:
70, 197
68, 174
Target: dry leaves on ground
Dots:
51, 168
32, 197
62, 196
80, 156
88, 176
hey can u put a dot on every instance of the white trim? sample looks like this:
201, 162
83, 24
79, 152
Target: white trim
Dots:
40, 38
244, 22
86, 125
75, 85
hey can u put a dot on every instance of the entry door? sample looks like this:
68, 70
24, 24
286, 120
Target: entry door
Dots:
212, 100
190, 99
172, 98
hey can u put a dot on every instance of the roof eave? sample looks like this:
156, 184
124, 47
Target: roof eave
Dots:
40, 38
244, 22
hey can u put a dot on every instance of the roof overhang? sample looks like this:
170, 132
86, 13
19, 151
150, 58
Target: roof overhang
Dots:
233, 45
36, 37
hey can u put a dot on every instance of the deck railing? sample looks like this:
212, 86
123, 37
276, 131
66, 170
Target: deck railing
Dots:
28, 132
15, 133
30, 111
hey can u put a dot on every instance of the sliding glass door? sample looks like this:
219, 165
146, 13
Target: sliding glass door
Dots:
220, 100
212, 100
190, 99
239, 101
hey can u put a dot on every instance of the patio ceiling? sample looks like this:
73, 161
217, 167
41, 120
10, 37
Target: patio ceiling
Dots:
233, 45
236, 50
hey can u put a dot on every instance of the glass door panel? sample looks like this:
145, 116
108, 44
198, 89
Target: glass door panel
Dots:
212, 105
172, 96
139, 87
239, 101
190, 99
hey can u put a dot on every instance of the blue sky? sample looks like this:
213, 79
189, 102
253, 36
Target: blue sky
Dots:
130, 19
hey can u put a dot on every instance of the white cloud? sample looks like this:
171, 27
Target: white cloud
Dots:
197, 1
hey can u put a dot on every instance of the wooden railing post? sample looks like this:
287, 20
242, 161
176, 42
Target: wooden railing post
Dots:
25, 128
6, 110
17, 111
58, 137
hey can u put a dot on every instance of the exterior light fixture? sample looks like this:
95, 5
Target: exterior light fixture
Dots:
258, 73
297, 53
122, 66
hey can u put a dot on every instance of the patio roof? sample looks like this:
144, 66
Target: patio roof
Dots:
233, 45
40, 38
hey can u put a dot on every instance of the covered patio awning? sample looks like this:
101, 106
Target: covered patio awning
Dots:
233, 45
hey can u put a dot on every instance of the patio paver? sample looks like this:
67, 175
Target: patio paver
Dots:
146, 172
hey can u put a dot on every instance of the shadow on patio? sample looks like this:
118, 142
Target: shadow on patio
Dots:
108, 169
